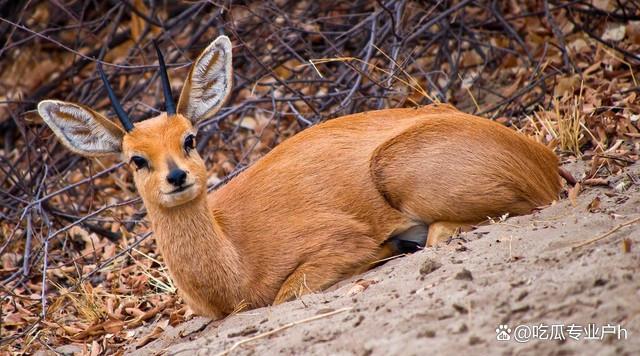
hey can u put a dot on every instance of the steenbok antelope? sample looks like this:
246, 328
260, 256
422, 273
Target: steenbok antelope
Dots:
323, 205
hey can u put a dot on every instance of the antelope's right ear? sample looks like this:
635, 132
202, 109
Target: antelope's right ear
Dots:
81, 129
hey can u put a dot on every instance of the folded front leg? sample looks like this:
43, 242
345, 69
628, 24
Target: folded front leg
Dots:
307, 278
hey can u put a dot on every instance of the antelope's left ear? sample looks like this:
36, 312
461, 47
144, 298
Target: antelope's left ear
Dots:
209, 82
81, 129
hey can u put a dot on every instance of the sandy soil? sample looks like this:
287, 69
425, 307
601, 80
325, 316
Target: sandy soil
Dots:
450, 299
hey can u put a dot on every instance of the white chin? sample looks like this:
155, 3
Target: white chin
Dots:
176, 199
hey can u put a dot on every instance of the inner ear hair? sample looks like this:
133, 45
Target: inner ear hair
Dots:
81, 129
209, 81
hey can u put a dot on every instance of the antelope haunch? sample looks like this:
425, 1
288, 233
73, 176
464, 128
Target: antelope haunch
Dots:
323, 205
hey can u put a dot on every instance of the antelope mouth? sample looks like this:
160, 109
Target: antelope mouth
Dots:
180, 189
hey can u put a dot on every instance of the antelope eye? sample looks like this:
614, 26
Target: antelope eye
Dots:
189, 143
139, 162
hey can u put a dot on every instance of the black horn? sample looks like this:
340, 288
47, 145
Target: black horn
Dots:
169, 105
122, 115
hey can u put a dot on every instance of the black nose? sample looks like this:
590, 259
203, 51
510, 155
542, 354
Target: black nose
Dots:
177, 177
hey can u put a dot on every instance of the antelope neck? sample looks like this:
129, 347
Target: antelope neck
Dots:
189, 235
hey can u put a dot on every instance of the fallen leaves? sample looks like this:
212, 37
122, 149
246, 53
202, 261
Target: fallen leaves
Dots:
157, 331
614, 32
573, 194
594, 206
586, 109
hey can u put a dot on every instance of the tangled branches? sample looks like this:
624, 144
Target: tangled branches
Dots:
74, 241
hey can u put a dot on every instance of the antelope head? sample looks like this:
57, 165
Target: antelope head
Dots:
168, 171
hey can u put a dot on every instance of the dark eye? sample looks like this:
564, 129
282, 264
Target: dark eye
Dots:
139, 162
189, 143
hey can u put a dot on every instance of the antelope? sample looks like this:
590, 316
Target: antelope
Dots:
324, 205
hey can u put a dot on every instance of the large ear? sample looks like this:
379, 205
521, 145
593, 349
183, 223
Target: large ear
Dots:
81, 129
209, 82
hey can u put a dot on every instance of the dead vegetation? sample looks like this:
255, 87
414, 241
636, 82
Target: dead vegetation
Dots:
77, 263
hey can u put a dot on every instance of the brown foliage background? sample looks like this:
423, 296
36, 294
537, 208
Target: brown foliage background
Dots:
77, 263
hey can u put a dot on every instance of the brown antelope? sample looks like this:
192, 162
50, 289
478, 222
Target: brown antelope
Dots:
323, 205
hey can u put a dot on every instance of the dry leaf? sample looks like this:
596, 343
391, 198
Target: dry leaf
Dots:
566, 85
573, 194
579, 45
614, 32
606, 5
594, 206
633, 32
154, 334
471, 58
96, 349
113, 326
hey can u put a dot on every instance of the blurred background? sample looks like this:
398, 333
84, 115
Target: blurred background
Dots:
78, 261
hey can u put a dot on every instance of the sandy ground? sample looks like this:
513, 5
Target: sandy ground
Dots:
522, 272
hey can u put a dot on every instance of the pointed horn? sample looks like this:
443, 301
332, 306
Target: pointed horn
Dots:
122, 115
169, 104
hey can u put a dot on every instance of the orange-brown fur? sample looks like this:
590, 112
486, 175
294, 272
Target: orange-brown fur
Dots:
321, 204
